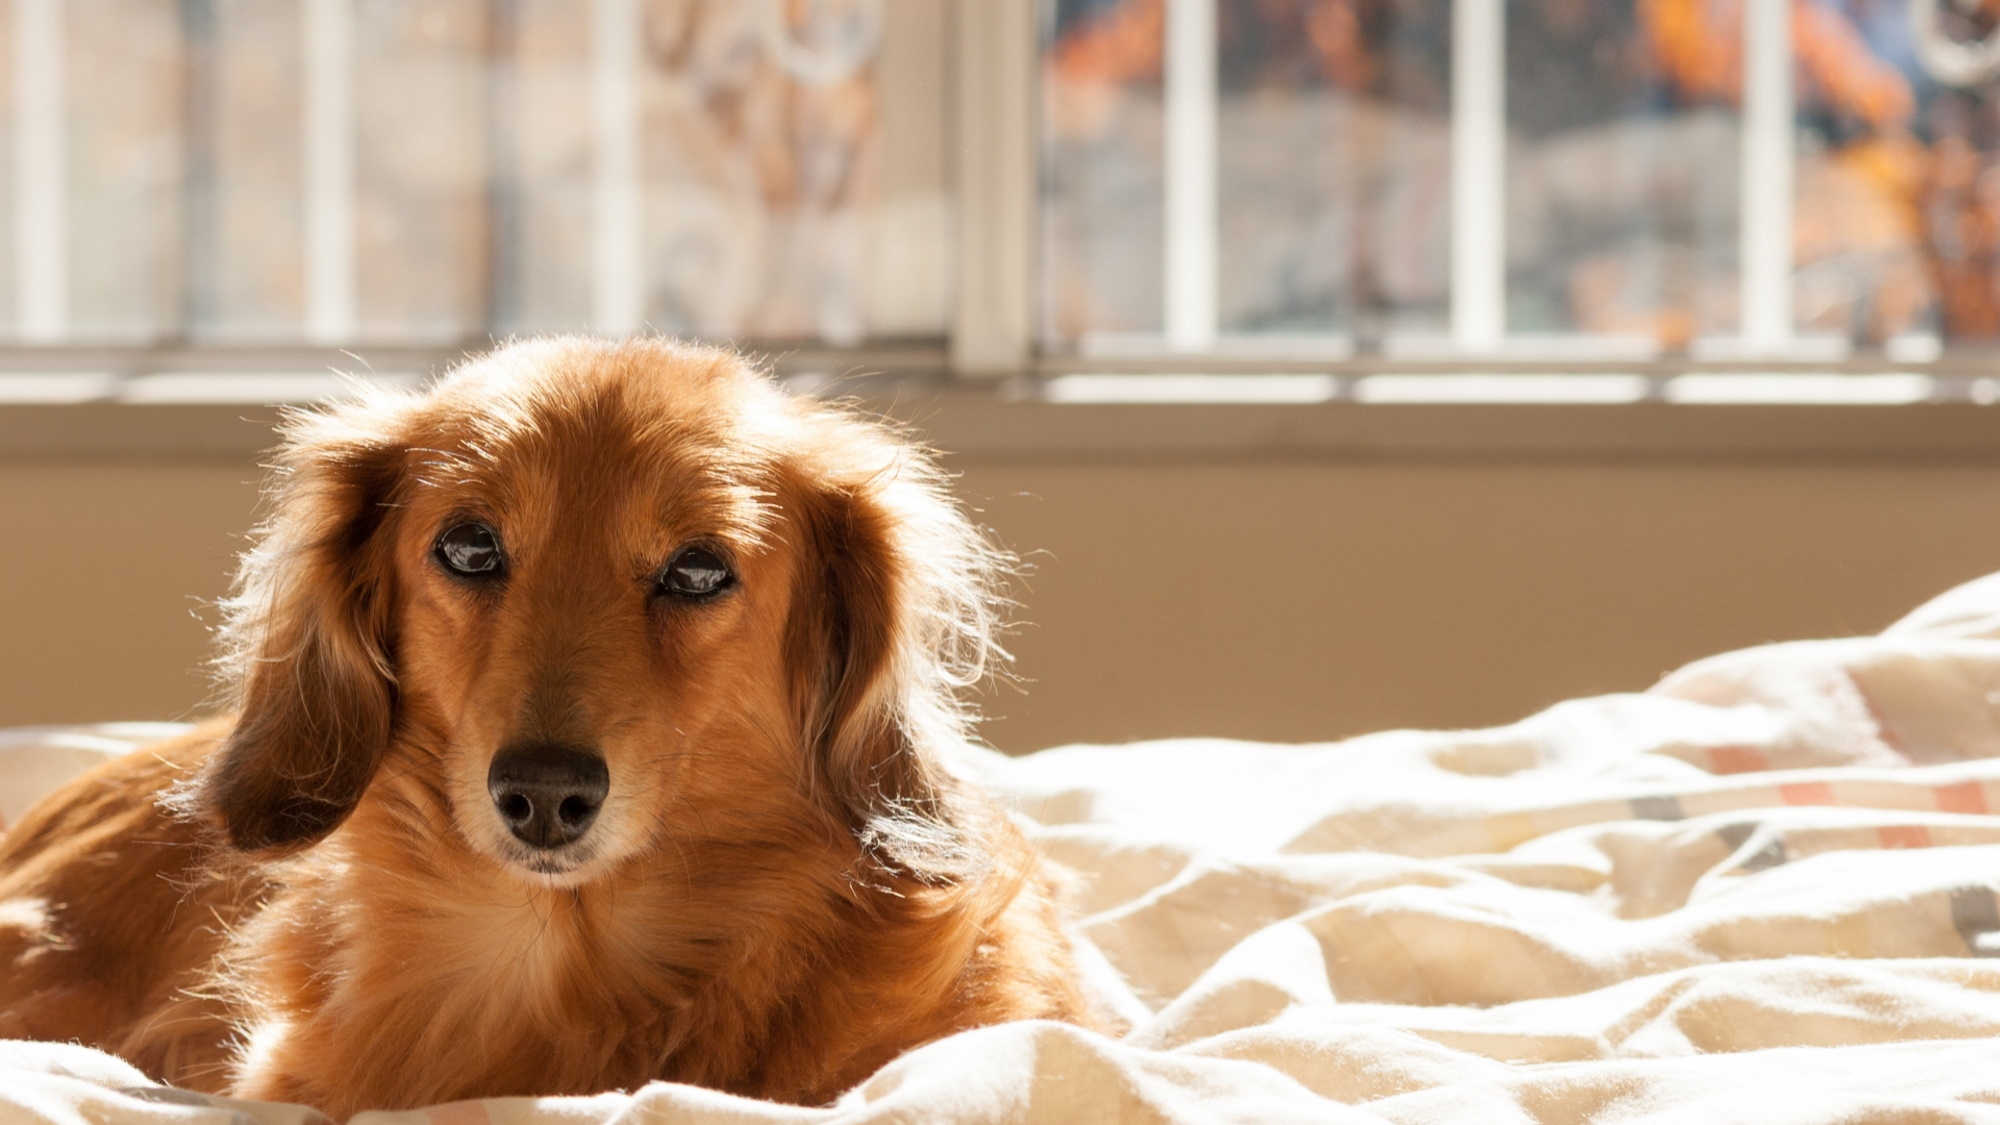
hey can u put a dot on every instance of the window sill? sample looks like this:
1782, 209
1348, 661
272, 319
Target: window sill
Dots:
1012, 420
983, 424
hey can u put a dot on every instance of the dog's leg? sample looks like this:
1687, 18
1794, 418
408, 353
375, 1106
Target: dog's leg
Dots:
108, 918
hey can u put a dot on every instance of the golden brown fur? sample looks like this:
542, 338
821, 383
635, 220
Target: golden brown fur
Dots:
784, 888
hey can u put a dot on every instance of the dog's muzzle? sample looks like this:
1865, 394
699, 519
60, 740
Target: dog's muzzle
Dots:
548, 795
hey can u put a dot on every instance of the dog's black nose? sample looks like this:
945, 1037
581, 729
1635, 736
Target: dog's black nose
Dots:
548, 795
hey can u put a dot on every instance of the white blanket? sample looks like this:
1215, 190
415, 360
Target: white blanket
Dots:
1763, 891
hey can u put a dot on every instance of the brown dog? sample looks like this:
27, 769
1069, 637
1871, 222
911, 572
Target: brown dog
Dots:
591, 712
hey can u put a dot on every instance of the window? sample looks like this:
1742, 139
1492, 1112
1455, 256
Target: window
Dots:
435, 171
1372, 193
1563, 183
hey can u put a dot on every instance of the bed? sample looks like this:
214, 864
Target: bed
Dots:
1763, 890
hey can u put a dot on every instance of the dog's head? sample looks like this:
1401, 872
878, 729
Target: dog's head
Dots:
586, 592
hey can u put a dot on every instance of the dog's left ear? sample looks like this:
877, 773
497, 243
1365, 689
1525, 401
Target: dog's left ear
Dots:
892, 619
305, 639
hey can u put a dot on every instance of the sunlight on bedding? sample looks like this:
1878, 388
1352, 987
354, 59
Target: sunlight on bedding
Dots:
1763, 890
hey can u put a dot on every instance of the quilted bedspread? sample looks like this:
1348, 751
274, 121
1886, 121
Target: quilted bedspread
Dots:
1763, 890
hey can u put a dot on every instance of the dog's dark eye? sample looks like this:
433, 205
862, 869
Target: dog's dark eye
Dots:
696, 572
470, 549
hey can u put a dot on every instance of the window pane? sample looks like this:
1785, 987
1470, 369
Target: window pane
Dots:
245, 237
540, 188
781, 193
1622, 179
761, 160
1334, 140
1899, 174
420, 157
1332, 169
1102, 216
125, 95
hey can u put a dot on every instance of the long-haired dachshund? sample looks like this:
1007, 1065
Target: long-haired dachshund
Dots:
589, 719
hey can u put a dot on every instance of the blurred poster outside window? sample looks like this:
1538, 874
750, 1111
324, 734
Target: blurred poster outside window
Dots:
778, 196
1622, 175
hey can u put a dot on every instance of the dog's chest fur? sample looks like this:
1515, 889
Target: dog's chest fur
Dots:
697, 975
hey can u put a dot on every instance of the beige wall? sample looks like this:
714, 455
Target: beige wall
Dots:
105, 572
1314, 601
1266, 600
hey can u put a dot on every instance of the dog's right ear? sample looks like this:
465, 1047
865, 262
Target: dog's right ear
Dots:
305, 637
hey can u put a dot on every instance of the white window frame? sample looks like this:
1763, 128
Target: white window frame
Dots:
327, 47
997, 48
991, 134
41, 167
